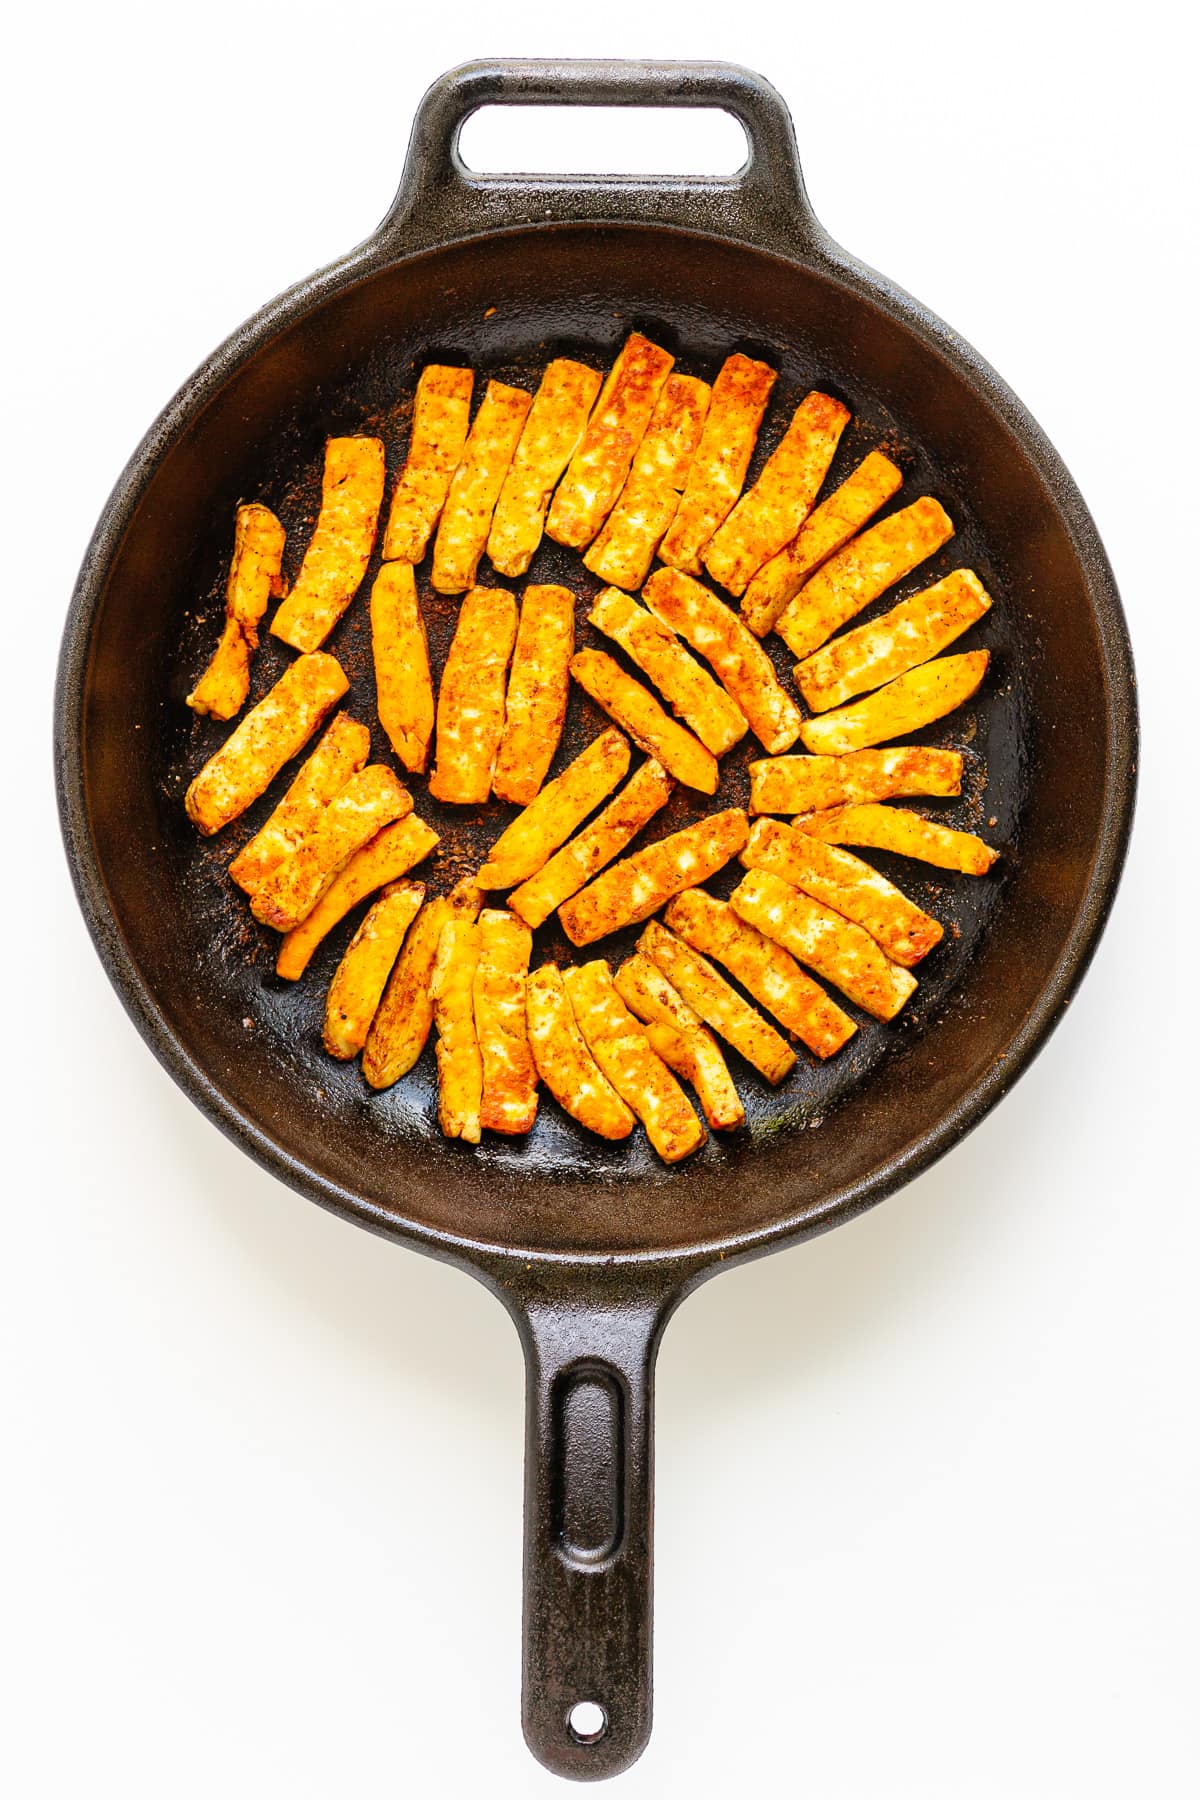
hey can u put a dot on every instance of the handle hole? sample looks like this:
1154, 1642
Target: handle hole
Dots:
587, 1721
604, 140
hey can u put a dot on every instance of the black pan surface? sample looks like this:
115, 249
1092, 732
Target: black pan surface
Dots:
513, 342
592, 1244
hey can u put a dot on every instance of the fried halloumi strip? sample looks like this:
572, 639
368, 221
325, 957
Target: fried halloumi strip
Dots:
255, 577
843, 953
688, 689
340, 547
712, 999
565, 1063
459, 1061
769, 514
865, 568
470, 709
635, 710
624, 1053
597, 470
361, 976
552, 434
402, 1023
441, 410
903, 832
594, 847
691, 1050
739, 661
341, 753
510, 1079
403, 684
548, 821
639, 884
539, 684
800, 784
270, 735
739, 400
899, 640
848, 885
903, 706
391, 853
822, 534
624, 550
462, 532
362, 807
764, 969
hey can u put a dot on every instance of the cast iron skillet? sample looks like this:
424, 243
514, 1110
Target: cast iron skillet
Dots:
589, 1246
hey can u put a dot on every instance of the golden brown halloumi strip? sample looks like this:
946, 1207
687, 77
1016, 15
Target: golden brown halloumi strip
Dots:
565, 1063
597, 470
255, 577
624, 1053
391, 853
459, 1061
846, 884
764, 969
548, 821
462, 532
362, 807
470, 708
691, 1050
844, 954
638, 885
341, 753
737, 658
910, 634
624, 550
594, 847
739, 400
865, 568
340, 547
800, 784
688, 689
361, 976
402, 1023
509, 1102
539, 684
769, 514
400, 649
902, 707
822, 534
552, 433
904, 833
441, 411
270, 735
712, 999
634, 708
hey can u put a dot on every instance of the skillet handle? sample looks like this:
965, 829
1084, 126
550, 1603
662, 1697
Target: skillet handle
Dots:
440, 200
589, 1360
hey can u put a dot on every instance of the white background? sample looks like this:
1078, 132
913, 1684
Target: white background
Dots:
927, 1488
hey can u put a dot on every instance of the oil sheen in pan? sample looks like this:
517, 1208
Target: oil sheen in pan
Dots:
989, 730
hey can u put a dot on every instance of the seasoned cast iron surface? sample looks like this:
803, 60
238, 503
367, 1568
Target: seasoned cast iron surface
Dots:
234, 963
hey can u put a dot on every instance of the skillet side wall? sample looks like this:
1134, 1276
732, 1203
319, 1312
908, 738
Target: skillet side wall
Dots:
580, 289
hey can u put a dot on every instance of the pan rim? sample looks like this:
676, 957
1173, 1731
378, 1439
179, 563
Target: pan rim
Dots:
373, 258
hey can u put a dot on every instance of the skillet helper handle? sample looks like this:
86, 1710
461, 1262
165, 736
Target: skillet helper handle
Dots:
441, 200
586, 1665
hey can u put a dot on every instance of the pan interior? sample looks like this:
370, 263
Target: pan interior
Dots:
1034, 739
